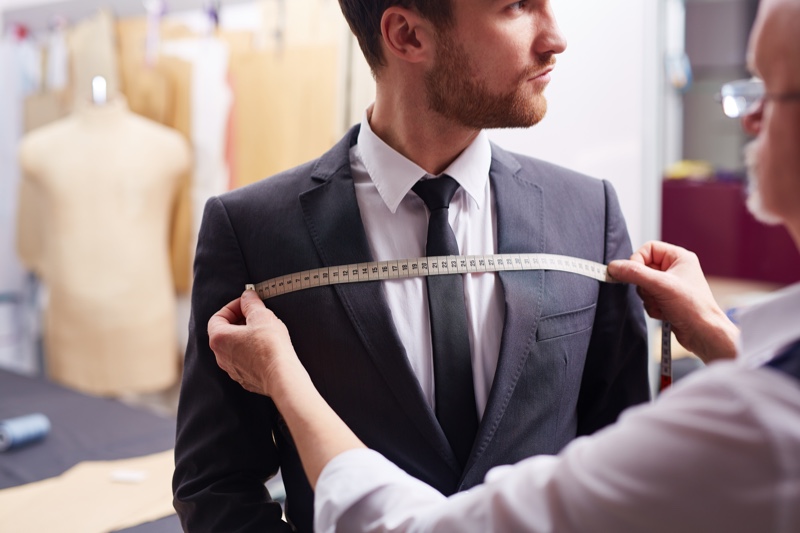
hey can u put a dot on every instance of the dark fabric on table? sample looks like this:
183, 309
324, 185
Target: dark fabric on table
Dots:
84, 428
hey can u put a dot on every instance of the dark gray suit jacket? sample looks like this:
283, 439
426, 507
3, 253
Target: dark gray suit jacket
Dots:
573, 353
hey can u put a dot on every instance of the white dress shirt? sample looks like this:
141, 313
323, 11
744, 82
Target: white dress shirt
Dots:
396, 223
720, 451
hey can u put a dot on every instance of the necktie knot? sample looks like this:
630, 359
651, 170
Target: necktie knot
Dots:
436, 193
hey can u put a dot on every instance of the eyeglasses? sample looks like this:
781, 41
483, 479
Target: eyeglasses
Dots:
742, 97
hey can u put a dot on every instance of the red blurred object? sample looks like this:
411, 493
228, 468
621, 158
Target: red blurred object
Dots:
21, 32
711, 219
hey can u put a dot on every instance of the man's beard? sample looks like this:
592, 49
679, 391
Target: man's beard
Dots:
755, 203
454, 94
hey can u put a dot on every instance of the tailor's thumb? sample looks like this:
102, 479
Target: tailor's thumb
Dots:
251, 303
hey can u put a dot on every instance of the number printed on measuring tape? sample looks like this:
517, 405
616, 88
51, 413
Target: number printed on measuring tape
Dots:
666, 356
428, 266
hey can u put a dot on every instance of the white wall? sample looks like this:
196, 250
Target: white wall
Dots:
604, 110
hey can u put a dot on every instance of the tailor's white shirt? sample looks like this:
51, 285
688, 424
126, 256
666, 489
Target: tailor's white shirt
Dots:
396, 223
720, 451
770, 327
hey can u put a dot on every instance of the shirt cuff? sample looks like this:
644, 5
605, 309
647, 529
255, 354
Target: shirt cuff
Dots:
347, 479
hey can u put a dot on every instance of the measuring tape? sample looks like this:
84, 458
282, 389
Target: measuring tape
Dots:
666, 356
427, 266
452, 264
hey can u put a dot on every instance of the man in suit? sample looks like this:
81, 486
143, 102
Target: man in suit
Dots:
548, 357
719, 452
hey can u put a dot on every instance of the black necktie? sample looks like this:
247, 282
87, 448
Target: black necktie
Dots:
452, 364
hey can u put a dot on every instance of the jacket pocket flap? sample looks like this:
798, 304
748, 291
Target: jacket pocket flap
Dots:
565, 323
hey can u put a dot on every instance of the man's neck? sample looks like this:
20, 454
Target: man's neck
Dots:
411, 128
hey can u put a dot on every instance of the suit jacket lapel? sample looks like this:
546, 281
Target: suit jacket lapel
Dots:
334, 221
520, 229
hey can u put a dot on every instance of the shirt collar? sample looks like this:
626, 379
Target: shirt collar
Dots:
394, 174
770, 326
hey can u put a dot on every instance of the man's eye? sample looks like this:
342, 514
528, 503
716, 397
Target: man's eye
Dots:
516, 6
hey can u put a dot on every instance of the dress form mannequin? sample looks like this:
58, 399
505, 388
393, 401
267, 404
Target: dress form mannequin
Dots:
105, 182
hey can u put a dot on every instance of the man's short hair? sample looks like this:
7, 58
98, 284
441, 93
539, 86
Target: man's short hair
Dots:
364, 19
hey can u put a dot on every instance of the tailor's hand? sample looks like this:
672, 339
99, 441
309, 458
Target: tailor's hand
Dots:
251, 344
673, 288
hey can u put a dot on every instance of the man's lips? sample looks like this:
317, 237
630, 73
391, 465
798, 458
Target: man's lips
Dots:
545, 75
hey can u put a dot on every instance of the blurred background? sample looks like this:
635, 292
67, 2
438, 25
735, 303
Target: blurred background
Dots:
102, 184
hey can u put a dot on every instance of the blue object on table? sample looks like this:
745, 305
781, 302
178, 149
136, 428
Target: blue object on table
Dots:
21, 430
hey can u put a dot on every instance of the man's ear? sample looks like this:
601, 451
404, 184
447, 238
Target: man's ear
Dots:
407, 35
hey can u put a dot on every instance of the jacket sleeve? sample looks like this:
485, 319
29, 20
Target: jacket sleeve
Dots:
615, 375
224, 450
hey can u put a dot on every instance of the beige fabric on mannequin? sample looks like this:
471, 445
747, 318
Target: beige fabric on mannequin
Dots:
105, 182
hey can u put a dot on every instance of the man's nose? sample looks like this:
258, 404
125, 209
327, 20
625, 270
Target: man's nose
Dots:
751, 122
551, 40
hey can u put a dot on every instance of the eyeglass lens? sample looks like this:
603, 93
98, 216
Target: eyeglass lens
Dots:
741, 97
